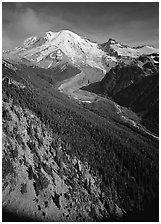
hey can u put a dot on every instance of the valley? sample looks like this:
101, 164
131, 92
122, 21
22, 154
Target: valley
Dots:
80, 121
72, 86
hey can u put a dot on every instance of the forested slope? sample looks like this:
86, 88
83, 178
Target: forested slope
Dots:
115, 169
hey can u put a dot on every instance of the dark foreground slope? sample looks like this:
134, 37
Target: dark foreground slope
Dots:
67, 161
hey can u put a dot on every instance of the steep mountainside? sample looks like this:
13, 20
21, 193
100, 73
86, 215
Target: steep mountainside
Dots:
143, 98
42, 180
136, 86
74, 155
35, 117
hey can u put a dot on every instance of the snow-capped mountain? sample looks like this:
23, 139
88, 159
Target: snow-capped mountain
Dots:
53, 48
50, 48
64, 49
75, 113
112, 47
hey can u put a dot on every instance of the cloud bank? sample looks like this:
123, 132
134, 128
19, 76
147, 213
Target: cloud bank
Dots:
26, 22
131, 23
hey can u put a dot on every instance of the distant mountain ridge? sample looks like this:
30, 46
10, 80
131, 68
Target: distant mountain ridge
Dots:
49, 48
117, 49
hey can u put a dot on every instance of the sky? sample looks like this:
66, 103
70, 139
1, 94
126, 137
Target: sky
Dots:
134, 24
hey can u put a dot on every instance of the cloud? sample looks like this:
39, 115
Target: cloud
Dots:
18, 5
24, 23
7, 41
30, 23
127, 23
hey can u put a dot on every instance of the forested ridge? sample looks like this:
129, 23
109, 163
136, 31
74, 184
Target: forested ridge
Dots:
125, 159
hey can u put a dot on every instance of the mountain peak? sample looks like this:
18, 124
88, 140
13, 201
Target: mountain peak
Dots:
40, 49
76, 48
49, 36
112, 41
115, 48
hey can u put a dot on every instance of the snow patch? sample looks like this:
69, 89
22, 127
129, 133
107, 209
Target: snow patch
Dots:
86, 101
50, 64
30, 41
133, 52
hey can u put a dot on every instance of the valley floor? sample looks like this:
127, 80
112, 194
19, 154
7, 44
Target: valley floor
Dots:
72, 86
